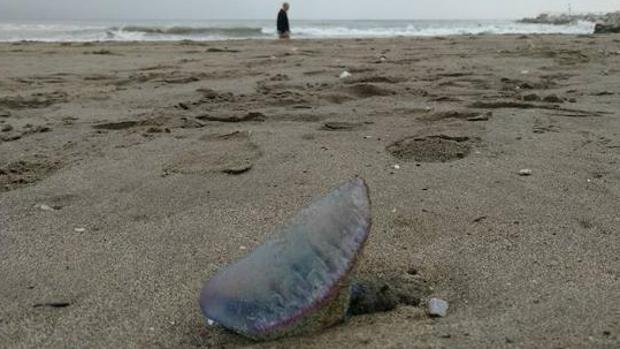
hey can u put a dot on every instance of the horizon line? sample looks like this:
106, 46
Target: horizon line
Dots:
259, 19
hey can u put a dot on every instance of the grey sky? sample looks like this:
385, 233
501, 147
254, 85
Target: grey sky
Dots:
308, 9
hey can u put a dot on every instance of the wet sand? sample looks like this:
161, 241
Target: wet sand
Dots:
131, 172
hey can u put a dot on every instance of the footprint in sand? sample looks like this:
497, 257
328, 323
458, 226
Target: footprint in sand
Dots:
438, 148
35, 101
368, 91
376, 79
232, 153
18, 174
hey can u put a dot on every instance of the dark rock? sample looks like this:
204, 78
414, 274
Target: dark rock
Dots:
601, 28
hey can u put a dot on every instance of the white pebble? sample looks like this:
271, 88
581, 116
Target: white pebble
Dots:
80, 230
525, 172
397, 167
46, 207
437, 307
345, 74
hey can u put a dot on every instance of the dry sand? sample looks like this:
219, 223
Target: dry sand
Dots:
160, 163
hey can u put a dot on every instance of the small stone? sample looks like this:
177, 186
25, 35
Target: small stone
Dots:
437, 307
79, 230
525, 72
44, 207
397, 167
525, 172
345, 74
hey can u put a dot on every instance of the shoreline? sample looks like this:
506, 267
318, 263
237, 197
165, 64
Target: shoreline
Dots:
294, 40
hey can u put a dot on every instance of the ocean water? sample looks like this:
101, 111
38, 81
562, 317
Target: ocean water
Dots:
262, 29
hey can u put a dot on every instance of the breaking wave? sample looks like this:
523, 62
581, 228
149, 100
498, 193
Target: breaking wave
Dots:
192, 31
230, 30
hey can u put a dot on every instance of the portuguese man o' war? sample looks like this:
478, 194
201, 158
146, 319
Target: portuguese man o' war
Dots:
299, 282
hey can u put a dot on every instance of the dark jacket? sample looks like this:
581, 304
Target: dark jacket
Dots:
283, 26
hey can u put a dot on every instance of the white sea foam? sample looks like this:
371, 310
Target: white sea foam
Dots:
221, 30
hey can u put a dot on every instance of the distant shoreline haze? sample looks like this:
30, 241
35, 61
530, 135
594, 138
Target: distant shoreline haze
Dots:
122, 10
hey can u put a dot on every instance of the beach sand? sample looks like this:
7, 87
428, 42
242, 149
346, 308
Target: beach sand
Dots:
131, 172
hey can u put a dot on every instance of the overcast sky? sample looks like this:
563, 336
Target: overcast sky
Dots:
306, 9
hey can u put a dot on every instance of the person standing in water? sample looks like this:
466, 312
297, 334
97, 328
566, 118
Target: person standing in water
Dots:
284, 30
